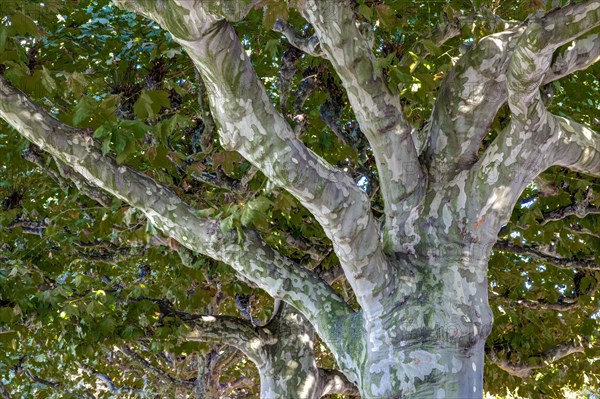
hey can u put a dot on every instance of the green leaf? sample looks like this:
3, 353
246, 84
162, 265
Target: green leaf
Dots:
274, 10
431, 47
82, 111
102, 132
365, 11
387, 15
48, 81
22, 24
106, 145
401, 74
150, 102
227, 160
77, 83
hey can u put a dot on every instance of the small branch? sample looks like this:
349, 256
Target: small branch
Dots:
161, 374
544, 257
29, 226
4, 392
539, 303
379, 114
330, 275
66, 173
524, 370
55, 385
580, 210
111, 385
236, 385
577, 229
233, 331
308, 45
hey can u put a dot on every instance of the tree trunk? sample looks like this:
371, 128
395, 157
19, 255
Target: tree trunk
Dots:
430, 343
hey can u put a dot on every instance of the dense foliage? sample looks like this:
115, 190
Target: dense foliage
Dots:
94, 301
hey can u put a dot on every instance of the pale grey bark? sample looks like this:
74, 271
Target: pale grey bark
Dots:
282, 350
378, 112
251, 125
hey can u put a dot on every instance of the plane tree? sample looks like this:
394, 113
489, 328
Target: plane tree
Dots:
440, 156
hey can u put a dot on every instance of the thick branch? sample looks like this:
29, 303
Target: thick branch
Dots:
533, 56
251, 125
473, 92
576, 146
239, 333
249, 255
334, 382
308, 45
578, 56
467, 102
377, 110
523, 370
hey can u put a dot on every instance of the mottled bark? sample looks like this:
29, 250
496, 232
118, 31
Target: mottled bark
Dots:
282, 350
378, 112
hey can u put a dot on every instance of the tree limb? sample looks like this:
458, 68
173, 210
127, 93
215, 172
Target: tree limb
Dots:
468, 100
475, 90
578, 56
249, 255
521, 151
539, 303
377, 110
576, 146
578, 209
56, 385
